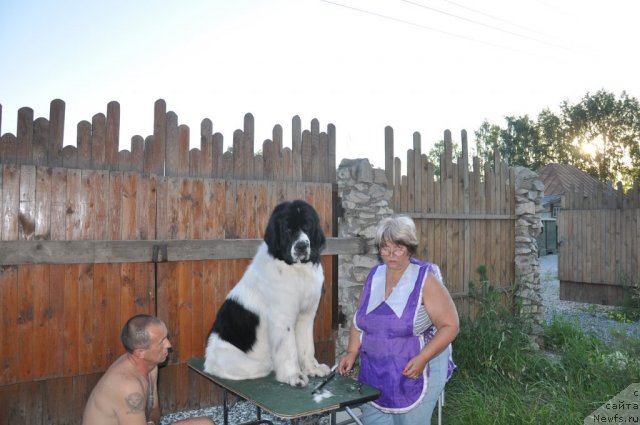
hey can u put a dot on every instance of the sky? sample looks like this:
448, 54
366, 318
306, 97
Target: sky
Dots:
415, 65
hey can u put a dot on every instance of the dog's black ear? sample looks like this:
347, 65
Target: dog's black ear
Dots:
318, 240
272, 234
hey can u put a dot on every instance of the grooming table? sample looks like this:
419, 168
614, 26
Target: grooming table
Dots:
287, 402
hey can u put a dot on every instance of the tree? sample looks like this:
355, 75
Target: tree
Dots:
607, 129
487, 141
520, 143
599, 135
437, 152
552, 132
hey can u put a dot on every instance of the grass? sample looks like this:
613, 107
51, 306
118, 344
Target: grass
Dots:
503, 379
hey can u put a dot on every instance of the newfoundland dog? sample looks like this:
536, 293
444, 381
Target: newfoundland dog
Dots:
266, 322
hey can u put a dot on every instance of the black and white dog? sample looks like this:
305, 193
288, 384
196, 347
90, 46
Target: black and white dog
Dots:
266, 321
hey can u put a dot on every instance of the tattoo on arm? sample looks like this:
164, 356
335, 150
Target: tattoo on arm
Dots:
135, 403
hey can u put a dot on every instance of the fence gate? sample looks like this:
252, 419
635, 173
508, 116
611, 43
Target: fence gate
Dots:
599, 246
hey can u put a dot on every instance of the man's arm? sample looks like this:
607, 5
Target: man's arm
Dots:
130, 403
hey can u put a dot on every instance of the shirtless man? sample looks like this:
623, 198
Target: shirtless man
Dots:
128, 391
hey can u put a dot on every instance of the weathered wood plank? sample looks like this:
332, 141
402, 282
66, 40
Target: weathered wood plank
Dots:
56, 132
27, 209
70, 320
86, 325
112, 136
10, 202
411, 181
55, 348
39, 333
40, 142
24, 136
98, 141
8, 324
65, 252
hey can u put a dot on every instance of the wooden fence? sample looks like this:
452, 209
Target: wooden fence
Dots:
465, 218
599, 240
72, 215
311, 157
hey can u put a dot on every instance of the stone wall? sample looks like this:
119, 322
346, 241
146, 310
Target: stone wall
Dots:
529, 193
366, 200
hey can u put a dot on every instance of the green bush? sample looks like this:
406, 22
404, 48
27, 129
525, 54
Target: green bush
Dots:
503, 379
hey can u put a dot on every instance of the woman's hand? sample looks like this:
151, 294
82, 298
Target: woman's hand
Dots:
415, 367
346, 363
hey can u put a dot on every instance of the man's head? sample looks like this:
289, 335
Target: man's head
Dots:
146, 336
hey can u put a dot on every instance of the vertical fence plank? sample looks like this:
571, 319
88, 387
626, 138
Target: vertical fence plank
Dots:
281, 158
8, 324
98, 141
411, 181
425, 185
157, 155
112, 135
389, 167
55, 348
24, 136
41, 320
8, 148
40, 142
83, 143
86, 310
172, 158
207, 148
56, 132
248, 146
183, 150
417, 170
331, 153
137, 154
27, 209
70, 317
218, 156
296, 148
10, 202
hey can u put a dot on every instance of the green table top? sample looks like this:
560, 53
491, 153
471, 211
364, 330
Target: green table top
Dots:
289, 402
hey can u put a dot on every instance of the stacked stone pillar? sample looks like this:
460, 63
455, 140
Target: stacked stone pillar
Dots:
529, 193
365, 201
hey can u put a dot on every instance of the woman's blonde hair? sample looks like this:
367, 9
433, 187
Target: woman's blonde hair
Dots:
397, 229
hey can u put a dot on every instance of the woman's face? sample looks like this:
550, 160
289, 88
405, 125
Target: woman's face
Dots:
394, 255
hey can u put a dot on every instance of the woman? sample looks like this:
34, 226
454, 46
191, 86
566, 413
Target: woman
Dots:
402, 330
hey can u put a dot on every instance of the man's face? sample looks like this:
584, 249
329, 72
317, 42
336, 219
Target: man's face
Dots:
159, 345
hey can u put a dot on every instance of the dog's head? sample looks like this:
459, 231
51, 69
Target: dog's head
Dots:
293, 233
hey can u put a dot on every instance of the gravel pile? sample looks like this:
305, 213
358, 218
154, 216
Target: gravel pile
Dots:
240, 412
590, 317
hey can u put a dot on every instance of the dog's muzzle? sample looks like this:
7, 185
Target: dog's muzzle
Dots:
301, 250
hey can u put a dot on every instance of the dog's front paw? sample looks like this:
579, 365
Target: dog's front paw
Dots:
297, 380
319, 369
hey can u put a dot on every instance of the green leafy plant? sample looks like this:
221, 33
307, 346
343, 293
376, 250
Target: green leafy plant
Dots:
502, 379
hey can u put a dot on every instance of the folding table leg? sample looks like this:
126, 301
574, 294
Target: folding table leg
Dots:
225, 409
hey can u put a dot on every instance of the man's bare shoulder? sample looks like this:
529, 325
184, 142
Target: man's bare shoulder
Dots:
119, 394
125, 385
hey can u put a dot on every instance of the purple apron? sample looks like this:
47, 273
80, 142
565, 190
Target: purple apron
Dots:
388, 343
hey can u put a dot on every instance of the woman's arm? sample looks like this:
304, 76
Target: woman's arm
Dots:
346, 362
444, 315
